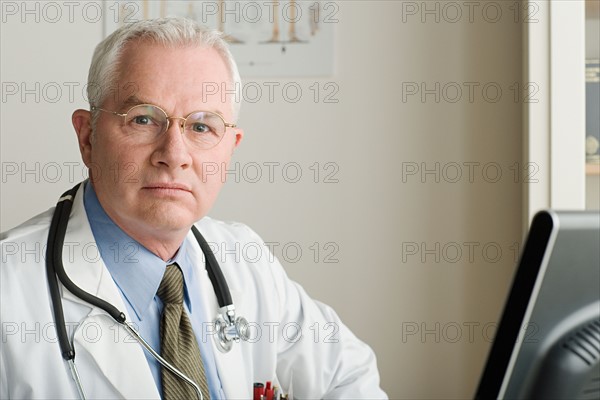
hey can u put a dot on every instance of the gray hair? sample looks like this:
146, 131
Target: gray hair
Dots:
165, 31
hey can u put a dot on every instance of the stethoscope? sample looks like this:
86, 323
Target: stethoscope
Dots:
228, 328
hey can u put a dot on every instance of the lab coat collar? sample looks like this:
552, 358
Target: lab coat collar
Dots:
119, 358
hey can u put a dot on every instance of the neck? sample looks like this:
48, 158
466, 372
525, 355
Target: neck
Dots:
164, 246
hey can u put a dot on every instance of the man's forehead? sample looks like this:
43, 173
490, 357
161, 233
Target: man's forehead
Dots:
155, 61
146, 48
153, 73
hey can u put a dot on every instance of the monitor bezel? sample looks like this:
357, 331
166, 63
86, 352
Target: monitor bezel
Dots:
541, 236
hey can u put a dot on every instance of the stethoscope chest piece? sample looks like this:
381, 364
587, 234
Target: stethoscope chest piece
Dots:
229, 329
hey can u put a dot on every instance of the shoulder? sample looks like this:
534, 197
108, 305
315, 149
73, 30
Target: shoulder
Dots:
26, 239
22, 267
241, 253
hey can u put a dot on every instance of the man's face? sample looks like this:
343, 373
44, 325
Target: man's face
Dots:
168, 184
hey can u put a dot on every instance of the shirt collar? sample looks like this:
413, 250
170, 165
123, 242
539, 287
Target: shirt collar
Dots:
136, 270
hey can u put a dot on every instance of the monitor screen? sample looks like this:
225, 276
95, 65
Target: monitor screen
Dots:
547, 344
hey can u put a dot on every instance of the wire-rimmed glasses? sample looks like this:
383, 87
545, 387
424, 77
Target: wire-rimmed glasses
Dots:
147, 122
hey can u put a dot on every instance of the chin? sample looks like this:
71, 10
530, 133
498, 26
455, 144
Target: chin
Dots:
168, 218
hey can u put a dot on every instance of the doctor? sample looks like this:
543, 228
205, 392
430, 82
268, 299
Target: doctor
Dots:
150, 134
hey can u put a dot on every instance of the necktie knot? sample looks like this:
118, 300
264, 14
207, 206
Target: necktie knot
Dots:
170, 290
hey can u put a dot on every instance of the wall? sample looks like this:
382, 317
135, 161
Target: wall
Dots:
422, 260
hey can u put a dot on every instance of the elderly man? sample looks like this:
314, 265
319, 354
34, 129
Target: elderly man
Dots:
146, 140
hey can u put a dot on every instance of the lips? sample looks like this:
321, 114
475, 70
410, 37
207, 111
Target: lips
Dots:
168, 186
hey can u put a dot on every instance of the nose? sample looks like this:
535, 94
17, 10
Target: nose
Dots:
171, 149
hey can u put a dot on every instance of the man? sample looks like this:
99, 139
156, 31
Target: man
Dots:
147, 139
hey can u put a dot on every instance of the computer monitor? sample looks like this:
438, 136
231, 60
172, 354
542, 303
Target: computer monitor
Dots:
547, 344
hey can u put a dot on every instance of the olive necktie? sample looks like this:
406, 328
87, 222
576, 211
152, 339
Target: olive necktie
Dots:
178, 342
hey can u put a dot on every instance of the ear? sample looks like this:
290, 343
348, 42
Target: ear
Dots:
239, 134
82, 122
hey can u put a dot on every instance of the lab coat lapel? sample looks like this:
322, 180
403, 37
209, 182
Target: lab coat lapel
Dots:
236, 382
81, 257
118, 356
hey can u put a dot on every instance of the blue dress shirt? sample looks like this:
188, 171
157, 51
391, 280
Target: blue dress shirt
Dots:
137, 273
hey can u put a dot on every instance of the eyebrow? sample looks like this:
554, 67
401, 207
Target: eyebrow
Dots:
133, 100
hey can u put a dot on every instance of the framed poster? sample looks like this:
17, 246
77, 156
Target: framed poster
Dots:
267, 38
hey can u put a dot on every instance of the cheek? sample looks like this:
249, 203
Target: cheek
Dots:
210, 175
116, 164
215, 168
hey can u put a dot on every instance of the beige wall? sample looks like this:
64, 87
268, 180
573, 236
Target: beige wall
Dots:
375, 217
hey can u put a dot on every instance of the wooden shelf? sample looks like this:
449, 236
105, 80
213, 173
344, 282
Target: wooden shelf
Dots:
592, 169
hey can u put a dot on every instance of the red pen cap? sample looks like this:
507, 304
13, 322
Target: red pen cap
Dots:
259, 390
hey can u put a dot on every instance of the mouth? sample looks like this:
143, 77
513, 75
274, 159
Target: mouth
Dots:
167, 188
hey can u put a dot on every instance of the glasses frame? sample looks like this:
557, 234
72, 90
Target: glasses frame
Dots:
182, 126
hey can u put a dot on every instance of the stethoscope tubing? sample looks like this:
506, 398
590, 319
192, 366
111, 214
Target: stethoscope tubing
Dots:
75, 375
52, 258
55, 269
214, 274
61, 229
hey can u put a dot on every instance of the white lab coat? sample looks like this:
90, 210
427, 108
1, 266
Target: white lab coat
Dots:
112, 365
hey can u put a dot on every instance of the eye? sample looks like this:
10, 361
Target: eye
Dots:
142, 120
199, 127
